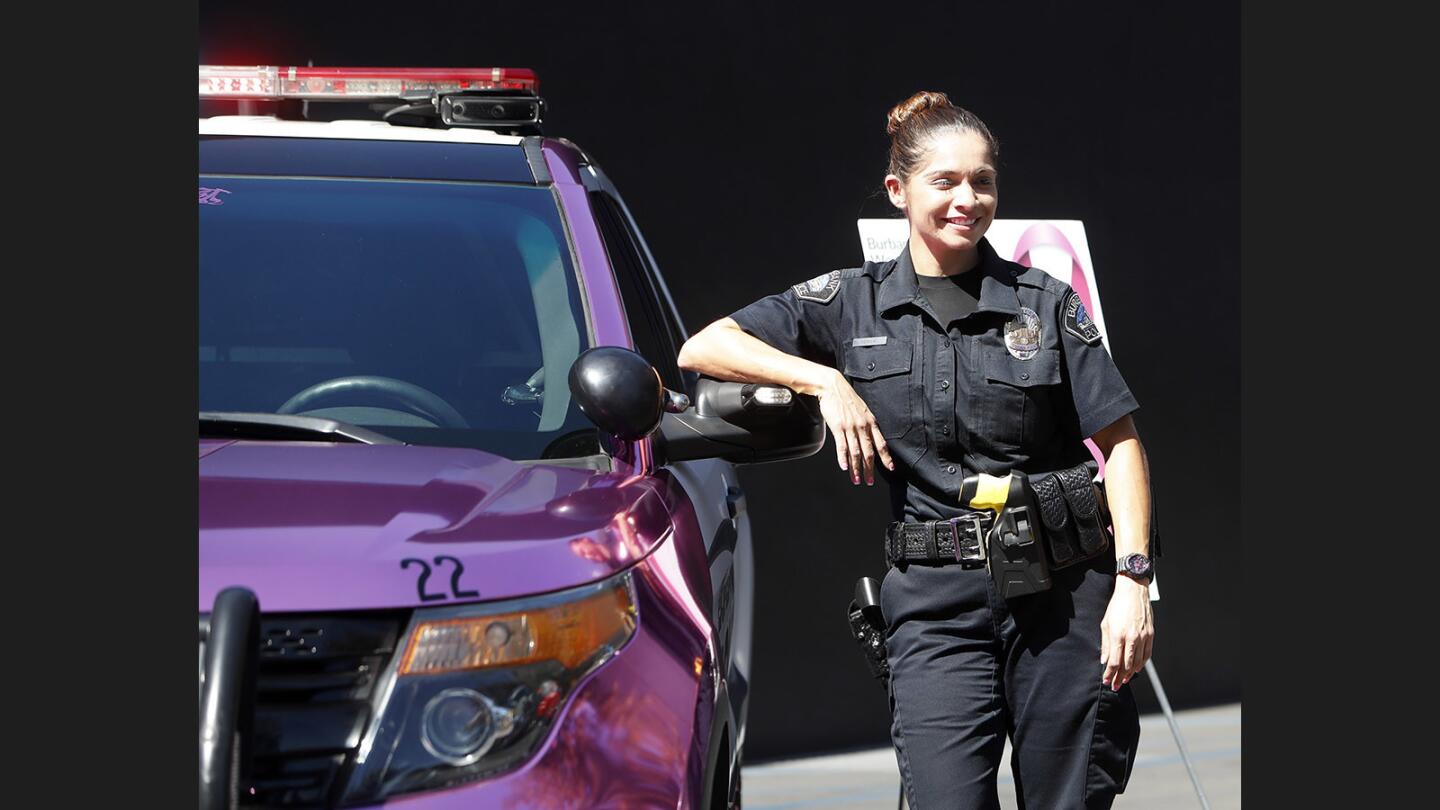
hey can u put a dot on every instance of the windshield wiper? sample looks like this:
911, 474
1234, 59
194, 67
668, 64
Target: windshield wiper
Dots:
284, 427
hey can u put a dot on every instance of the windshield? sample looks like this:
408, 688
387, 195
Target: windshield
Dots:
436, 313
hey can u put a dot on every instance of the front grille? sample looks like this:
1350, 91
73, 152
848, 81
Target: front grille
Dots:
317, 674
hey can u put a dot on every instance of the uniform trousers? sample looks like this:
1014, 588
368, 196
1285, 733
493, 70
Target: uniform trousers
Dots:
969, 668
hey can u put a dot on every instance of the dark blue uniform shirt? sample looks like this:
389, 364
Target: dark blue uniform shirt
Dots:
1016, 385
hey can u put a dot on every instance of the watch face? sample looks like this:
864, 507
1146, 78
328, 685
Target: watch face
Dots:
1137, 564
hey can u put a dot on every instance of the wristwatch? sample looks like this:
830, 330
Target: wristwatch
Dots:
1135, 566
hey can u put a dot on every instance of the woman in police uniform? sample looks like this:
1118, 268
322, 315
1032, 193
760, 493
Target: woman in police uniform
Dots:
948, 362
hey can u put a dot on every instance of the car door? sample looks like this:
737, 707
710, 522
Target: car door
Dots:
711, 484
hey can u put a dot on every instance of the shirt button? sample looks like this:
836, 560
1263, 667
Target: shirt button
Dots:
944, 384
1024, 375
945, 430
950, 469
870, 366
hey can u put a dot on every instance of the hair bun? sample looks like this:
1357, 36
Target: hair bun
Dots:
914, 123
915, 105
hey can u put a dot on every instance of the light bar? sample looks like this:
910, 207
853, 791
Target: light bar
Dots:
355, 83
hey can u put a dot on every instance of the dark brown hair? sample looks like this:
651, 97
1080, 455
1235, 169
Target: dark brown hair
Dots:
916, 120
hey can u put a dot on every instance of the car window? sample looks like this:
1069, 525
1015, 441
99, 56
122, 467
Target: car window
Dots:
652, 333
667, 312
406, 293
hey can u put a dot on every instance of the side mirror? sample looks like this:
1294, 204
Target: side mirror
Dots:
744, 423
621, 392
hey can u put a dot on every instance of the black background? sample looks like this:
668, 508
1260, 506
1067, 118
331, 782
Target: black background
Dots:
748, 137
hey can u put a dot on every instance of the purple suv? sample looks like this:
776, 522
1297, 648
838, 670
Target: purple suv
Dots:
455, 549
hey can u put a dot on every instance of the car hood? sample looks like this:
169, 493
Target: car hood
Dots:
322, 526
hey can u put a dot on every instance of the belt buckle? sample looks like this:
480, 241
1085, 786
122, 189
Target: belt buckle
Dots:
975, 559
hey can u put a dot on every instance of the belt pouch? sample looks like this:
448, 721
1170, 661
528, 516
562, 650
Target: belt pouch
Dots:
1072, 514
1059, 531
1084, 501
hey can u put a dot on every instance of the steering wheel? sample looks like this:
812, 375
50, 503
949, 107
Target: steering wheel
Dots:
410, 395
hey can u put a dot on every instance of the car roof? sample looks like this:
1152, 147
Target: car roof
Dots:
265, 125
370, 148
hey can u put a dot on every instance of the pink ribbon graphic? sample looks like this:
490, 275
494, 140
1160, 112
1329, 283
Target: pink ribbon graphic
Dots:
1047, 235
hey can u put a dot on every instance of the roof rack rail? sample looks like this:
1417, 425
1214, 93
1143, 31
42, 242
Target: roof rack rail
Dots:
503, 99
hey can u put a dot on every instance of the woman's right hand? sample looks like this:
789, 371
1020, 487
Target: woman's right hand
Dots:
857, 436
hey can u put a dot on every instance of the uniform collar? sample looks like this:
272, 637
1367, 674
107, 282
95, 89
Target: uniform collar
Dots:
997, 288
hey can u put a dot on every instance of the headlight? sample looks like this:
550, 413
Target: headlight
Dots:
474, 689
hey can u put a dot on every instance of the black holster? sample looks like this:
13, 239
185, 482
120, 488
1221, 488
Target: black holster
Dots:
1073, 514
1015, 554
867, 625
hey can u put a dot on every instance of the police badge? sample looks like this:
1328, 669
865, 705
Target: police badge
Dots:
822, 288
1078, 321
1022, 335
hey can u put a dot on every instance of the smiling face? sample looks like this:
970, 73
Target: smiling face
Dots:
950, 197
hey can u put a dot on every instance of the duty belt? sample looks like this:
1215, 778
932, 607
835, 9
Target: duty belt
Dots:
959, 539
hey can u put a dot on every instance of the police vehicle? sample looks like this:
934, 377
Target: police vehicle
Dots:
463, 539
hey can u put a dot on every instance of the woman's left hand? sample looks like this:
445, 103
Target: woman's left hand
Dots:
1126, 633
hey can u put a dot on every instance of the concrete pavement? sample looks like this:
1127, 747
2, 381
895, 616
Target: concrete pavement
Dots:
868, 780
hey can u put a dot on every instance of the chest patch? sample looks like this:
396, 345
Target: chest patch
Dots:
821, 289
1078, 321
1022, 335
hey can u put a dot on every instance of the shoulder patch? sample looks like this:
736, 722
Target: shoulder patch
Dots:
1078, 321
820, 289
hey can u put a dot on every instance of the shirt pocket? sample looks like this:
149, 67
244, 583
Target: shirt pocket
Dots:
1016, 401
881, 376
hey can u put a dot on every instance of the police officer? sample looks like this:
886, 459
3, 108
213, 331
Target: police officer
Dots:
949, 361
